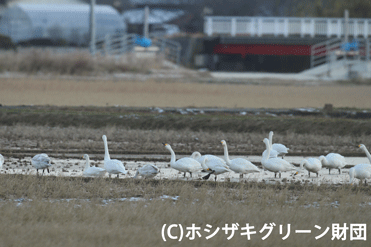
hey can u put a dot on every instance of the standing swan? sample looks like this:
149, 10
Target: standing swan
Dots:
41, 161
112, 166
281, 149
363, 147
1, 161
215, 164
360, 171
92, 171
275, 165
147, 171
239, 165
333, 160
274, 153
185, 164
311, 165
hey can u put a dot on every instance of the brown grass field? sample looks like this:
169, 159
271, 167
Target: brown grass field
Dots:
73, 211
155, 92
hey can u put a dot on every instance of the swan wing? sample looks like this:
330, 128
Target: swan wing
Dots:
94, 172
114, 166
272, 154
241, 165
41, 161
280, 148
187, 165
278, 165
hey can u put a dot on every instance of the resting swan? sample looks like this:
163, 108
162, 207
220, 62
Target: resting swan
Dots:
41, 161
281, 149
363, 147
1, 161
275, 165
311, 165
215, 164
112, 166
147, 171
185, 164
360, 171
239, 165
333, 160
92, 171
274, 153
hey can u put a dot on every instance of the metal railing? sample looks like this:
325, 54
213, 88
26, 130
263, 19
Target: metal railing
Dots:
122, 44
330, 51
286, 26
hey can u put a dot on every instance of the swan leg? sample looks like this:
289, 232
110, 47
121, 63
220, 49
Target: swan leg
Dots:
317, 174
206, 177
275, 174
339, 171
280, 173
241, 175
37, 172
309, 173
329, 171
190, 174
118, 175
215, 178
184, 174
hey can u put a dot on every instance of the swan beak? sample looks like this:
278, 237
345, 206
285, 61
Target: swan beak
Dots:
359, 145
296, 173
164, 143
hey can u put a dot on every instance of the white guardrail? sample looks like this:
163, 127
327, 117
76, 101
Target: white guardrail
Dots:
285, 26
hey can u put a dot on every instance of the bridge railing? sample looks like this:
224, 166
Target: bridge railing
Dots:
285, 26
125, 43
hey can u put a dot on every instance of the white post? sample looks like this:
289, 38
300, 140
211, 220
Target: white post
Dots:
302, 28
328, 28
260, 27
275, 27
339, 28
233, 27
209, 26
286, 27
365, 29
92, 28
312, 27
346, 25
252, 27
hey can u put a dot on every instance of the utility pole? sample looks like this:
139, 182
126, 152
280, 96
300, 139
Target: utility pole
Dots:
145, 21
92, 28
346, 25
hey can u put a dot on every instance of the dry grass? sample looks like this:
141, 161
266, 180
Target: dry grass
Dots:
44, 61
162, 93
88, 221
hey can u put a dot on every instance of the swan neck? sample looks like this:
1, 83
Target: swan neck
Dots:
302, 164
203, 164
106, 153
268, 148
270, 138
173, 158
87, 163
368, 154
226, 155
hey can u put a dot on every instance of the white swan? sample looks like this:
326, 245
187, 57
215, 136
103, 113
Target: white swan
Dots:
1, 161
185, 164
239, 165
215, 164
360, 171
333, 160
311, 165
112, 166
363, 147
147, 171
281, 149
41, 161
274, 153
275, 165
92, 171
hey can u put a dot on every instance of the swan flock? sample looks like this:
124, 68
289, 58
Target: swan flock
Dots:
272, 161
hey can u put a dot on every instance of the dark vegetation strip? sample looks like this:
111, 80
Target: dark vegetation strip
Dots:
147, 120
